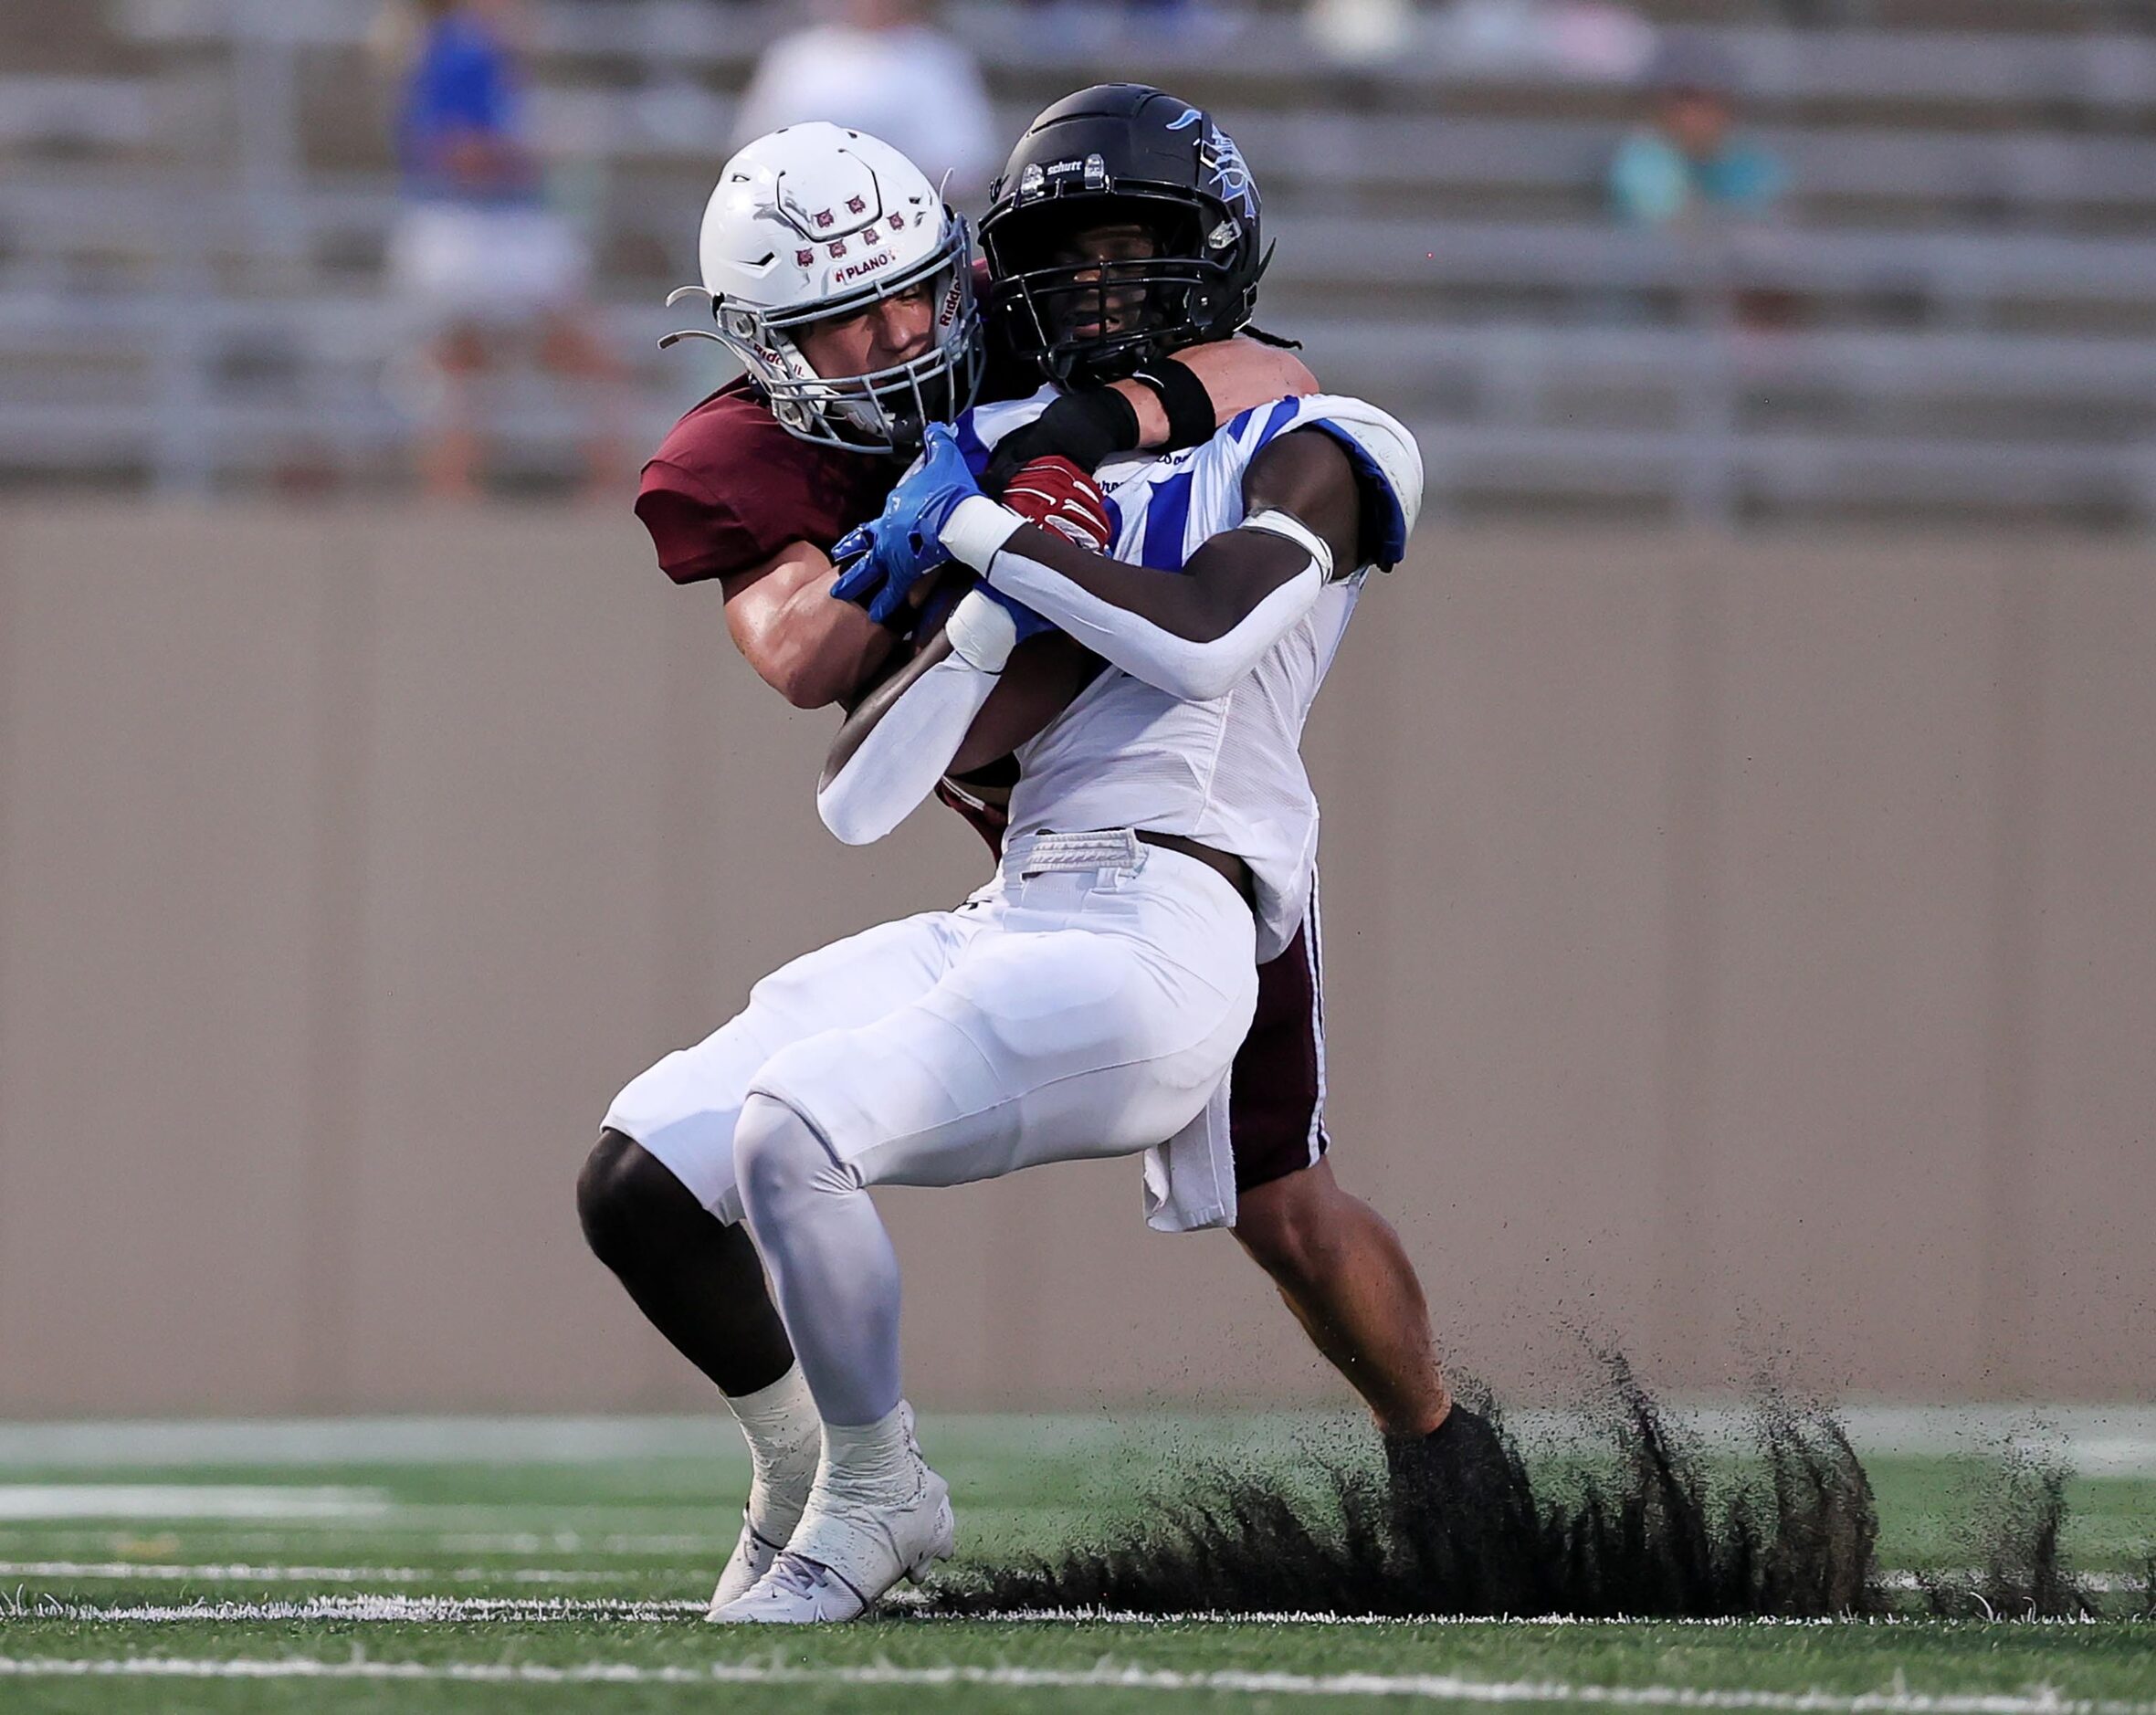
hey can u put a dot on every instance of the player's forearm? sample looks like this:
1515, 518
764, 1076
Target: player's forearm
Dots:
903, 738
1191, 634
811, 649
1241, 373
1237, 375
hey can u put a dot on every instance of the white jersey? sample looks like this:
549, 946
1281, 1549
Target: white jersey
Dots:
1228, 772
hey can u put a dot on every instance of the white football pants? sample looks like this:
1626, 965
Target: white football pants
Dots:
1087, 1002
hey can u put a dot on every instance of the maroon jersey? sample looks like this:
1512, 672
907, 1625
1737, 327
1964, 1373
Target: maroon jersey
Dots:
728, 487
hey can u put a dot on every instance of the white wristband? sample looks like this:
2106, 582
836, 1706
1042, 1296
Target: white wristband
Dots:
976, 528
982, 632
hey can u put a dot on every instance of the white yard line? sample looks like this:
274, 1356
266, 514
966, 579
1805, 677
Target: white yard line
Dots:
403, 1539
24, 1501
1107, 1616
1441, 1687
158, 1571
2104, 1583
395, 1608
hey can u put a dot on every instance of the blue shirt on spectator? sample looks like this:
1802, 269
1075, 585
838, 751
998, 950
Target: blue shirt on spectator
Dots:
463, 84
1652, 181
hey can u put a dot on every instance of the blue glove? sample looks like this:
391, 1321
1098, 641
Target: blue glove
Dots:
880, 561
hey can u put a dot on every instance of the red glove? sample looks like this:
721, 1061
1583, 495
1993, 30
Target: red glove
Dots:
1056, 494
1050, 491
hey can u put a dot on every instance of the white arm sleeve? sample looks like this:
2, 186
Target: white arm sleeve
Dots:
1196, 671
901, 761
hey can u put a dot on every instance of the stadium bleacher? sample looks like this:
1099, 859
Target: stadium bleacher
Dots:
194, 197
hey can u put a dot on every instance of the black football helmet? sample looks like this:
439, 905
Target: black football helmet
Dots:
1120, 154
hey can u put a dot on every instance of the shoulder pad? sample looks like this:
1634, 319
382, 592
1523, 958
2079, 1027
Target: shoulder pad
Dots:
1385, 458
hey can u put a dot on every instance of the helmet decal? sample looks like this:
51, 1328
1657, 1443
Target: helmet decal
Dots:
858, 270
1220, 156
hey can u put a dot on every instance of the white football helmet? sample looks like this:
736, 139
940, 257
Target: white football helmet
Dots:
815, 221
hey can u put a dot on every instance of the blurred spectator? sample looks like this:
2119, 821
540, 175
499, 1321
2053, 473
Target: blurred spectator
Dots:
1685, 165
1359, 32
1593, 38
1564, 38
878, 69
1091, 29
477, 254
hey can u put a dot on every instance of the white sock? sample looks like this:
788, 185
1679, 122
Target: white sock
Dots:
785, 1440
875, 1461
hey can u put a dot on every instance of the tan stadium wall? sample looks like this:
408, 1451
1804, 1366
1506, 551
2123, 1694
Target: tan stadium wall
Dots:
1742, 952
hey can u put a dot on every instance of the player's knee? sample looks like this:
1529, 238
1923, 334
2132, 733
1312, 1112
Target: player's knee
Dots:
775, 1151
629, 1200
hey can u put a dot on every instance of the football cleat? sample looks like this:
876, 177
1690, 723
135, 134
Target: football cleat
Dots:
753, 1556
778, 1496
795, 1591
847, 1552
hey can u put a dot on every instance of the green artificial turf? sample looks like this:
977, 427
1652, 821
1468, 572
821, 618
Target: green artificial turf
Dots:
654, 1528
